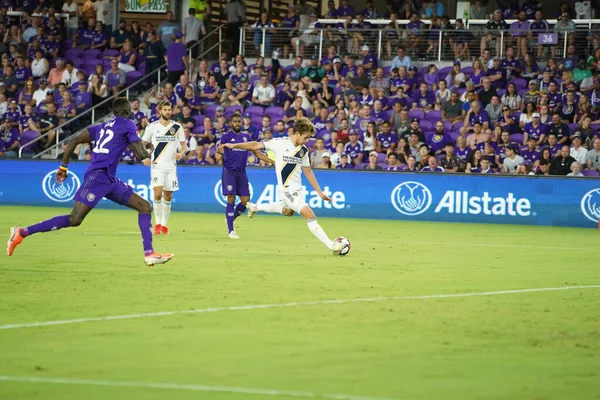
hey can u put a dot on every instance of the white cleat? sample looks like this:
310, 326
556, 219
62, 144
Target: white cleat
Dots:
233, 235
251, 209
336, 247
157, 258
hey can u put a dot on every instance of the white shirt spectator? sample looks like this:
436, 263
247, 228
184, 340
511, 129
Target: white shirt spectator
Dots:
69, 78
38, 67
192, 145
40, 95
398, 62
264, 93
103, 6
3, 107
580, 154
67, 8
511, 164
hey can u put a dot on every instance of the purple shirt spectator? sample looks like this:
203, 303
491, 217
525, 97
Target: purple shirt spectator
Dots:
175, 53
380, 116
464, 154
113, 79
387, 139
353, 150
7, 139
424, 101
482, 117
342, 11
535, 132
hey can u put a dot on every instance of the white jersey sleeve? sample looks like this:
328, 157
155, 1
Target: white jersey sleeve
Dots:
165, 140
289, 160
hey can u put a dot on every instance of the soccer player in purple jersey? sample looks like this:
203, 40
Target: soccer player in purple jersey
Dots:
110, 139
234, 180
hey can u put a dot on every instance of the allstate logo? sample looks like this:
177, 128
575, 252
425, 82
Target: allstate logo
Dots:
60, 192
223, 199
411, 198
590, 205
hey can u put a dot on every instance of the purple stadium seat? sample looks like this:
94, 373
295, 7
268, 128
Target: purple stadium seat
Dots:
381, 158
254, 79
255, 110
442, 73
572, 127
517, 115
361, 165
517, 138
229, 111
454, 135
439, 157
595, 126
198, 129
590, 173
426, 125
460, 92
73, 53
257, 120
311, 143
448, 126
386, 70
78, 62
89, 52
456, 127
416, 114
211, 110
90, 62
88, 69
212, 151
199, 119
520, 83
501, 92
434, 115
90, 57
110, 53
132, 77
26, 137
275, 112
383, 165
467, 70
142, 67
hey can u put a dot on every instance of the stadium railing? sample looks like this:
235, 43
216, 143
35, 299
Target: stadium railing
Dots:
92, 113
263, 41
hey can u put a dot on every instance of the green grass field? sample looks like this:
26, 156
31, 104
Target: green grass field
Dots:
526, 345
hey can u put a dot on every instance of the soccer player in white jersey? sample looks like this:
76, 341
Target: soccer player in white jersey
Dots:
166, 137
291, 159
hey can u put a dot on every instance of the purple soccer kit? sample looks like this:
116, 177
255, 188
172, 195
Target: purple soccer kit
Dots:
110, 140
234, 180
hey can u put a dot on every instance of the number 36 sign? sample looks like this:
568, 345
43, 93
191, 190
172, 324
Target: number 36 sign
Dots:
547, 38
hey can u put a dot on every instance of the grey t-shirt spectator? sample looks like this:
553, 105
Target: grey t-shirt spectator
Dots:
594, 157
453, 110
166, 30
494, 112
512, 164
193, 28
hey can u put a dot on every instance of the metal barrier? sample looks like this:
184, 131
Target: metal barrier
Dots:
91, 112
431, 44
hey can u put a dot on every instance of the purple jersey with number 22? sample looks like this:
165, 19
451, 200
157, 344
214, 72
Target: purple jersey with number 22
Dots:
110, 140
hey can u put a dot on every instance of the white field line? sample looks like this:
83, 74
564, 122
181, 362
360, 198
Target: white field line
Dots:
197, 388
416, 242
288, 305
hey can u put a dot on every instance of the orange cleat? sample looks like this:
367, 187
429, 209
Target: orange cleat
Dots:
157, 228
164, 230
157, 258
14, 240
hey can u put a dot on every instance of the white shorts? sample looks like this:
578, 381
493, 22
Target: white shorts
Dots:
293, 199
165, 178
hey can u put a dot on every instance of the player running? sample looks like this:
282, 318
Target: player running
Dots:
291, 159
165, 136
110, 139
234, 180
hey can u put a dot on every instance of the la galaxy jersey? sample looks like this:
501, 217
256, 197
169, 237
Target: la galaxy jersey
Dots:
165, 140
289, 160
110, 139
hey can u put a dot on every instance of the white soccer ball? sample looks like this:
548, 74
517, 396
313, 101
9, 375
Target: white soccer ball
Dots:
346, 248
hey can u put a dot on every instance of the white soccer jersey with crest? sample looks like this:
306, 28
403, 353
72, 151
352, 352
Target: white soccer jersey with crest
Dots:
289, 160
165, 140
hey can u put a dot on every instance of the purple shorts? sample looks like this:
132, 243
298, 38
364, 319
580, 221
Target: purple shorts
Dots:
97, 184
235, 182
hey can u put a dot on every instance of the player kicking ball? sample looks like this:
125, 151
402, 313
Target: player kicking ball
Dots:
291, 159
234, 180
165, 136
110, 140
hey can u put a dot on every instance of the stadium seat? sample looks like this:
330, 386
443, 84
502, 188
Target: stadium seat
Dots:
110, 53
442, 73
454, 135
132, 77
572, 128
28, 136
211, 110
381, 158
198, 129
386, 70
255, 110
517, 138
448, 126
257, 120
78, 62
467, 70
229, 111
501, 92
73, 53
434, 115
426, 125
91, 53
520, 83
416, 114
595, 126
275, 112
254, 79
517, 115
439, 157
590, 173
361, 165
198, 119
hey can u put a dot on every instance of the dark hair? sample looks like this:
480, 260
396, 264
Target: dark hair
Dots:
121, 107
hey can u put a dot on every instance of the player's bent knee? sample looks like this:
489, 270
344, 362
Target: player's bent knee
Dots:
287, 212
75, 220
145, 208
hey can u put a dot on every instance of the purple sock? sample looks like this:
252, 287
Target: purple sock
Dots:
145, 224
53, 224
239, 210
230, 215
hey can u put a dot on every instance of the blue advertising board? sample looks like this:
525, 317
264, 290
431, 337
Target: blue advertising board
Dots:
527, 200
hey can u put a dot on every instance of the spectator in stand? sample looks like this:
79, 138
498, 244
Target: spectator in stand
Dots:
115, 78
494, 110
432, 166
176, 58
475, 114
51, 46
192, 28
593, 156
98, 89
69, 75
22, 72
128, 57
450, 162
513, 162
578, 152
492, 32
264, 93
100, 39
9, 139
452, 109
118, 37
9, 88
576, 168
40, 95
83, 38
519, 33
48, 123
83, 99
345, 9
263, 26
564, 26
561, 164
415, 34
372, 165
393, 34
70, 7
154, 52
166, 30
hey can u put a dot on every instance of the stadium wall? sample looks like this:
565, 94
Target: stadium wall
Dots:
553, 201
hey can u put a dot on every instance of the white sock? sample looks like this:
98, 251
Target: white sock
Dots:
273, 208
157, 211
166, 212
316, 230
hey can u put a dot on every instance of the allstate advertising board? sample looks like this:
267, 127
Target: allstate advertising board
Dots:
553, 201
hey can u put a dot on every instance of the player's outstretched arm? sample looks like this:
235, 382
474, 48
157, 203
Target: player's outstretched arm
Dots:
254, 146
263, 157
141, 153
312, 179
83, 137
